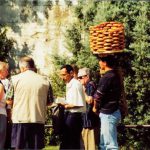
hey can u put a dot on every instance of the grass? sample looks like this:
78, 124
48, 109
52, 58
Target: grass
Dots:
51, 148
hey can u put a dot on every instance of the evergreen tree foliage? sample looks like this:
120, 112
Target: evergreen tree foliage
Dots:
74, 38
5, 45
140, 64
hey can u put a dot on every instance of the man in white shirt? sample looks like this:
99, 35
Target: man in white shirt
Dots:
74, 107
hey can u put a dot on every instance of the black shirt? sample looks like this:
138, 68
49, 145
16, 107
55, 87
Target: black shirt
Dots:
108, 92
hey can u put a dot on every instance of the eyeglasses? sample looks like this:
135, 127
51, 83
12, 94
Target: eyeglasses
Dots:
79, 78
82, 77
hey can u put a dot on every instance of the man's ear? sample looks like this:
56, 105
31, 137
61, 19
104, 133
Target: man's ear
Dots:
72, 72
22, 69
104, 63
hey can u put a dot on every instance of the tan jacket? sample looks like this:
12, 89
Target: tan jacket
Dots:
30, 97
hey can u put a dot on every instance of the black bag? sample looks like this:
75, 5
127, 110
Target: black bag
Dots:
57, 113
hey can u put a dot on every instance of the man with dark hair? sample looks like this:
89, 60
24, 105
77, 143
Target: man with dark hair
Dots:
76, 69
31, 93
74, 107
106, 101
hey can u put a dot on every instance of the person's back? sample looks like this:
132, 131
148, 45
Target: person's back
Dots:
30, 97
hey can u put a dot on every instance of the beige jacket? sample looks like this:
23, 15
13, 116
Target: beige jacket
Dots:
30, 97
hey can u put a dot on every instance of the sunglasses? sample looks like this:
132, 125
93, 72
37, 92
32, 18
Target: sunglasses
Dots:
82, 77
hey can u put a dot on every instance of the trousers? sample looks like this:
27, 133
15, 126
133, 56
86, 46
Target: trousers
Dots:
72, 131
3, 126
88, 139
108, 134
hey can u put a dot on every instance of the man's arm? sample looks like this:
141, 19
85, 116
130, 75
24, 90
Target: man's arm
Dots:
97, 100
1, 91
90, 89
10, 94
100, 92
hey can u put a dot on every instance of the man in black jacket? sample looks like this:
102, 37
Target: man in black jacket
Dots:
106, 101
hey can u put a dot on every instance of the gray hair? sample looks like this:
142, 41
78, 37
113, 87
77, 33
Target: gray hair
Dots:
3, 65
26, 62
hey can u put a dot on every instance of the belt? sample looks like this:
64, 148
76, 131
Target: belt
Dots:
68, 112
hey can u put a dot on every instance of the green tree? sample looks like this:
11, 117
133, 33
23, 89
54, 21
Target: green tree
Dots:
5, 45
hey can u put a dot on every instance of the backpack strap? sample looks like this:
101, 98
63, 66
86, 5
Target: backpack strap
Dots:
3, 86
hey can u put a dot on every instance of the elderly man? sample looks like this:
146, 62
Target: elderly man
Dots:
90, 132
74, 107
32, 92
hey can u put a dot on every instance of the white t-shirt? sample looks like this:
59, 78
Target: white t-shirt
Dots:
3, 101
75, 96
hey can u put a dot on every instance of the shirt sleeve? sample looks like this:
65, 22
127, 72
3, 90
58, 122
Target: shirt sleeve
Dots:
90, 89
102, 89
10, 91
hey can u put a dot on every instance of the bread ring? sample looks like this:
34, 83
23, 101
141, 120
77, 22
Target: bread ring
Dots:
107, 48
100, 42
100, 31
107, 37
100, 35
100, 39
108, 40
115, 42
95, 34
115, 45
106, 28
106, 33
115, 34
100, 47
115, 38
109, 25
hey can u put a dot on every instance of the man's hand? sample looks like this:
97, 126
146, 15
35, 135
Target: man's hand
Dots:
9, 102
94, 110
89, 100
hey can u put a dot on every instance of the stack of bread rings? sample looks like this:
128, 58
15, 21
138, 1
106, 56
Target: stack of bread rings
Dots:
107, 37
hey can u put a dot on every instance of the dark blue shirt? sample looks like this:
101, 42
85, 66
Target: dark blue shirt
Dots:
108, 93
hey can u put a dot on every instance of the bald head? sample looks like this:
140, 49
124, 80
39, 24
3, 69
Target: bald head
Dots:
26, 63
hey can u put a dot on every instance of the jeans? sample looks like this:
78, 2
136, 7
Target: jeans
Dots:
108, 135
